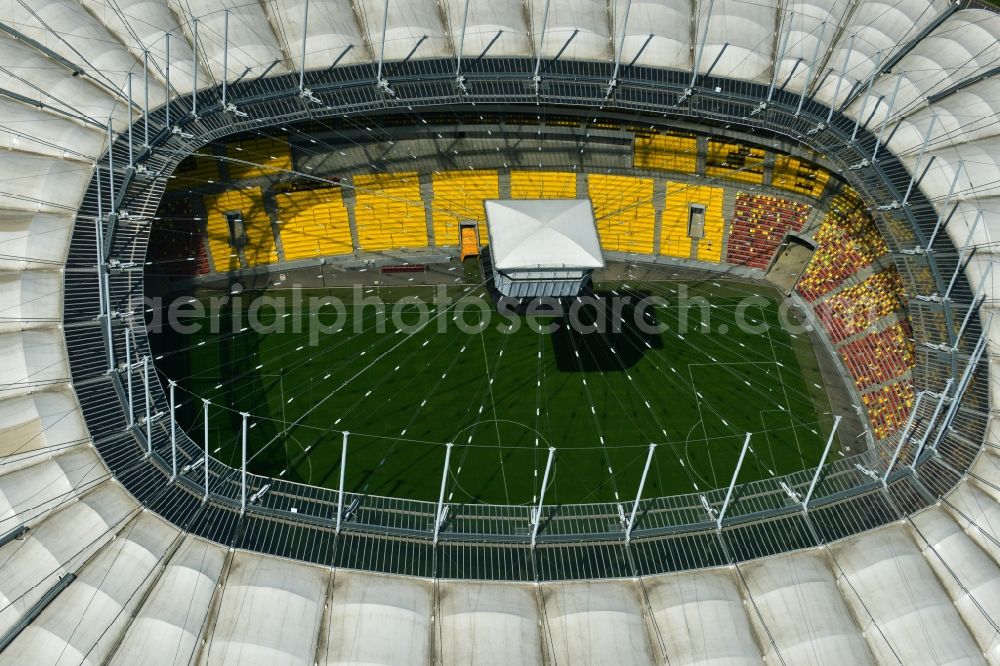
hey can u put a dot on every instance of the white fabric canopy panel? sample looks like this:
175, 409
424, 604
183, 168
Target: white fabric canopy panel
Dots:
987, 467
739, 39
965, 45
543, 234
253, 46
141, 25
969, 114
976, 590
32, 359
67, 28
801, 585
32, 299
977, 510
687, 608
899, 602
34, 183
573, 29
28, 493
412, 29
28, 129
489, 623
656, 34
976, 222
84, 623
377, 619
166, 632
33, 240
29, 73
43, 420
58, 545
495, 28
973, 168
876, 30
270, 612
595, 623
807, 31
332, 36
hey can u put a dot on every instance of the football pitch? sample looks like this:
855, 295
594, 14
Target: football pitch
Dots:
680, 372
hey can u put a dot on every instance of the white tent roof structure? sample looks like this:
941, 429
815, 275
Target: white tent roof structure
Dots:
140, 589
543, 234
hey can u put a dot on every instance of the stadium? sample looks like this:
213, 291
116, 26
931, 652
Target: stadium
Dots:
536, 331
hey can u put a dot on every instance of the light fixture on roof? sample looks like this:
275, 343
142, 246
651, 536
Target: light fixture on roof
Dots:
308, 95
384, 85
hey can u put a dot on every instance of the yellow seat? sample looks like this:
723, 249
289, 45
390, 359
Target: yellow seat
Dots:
266, 157
458, 197
260, 246
194, 171
791, 173
313, 223
668, 152
674, 238
389, 211
735, 161
623, 207
542, 185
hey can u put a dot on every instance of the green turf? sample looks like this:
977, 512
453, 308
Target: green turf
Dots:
504, 398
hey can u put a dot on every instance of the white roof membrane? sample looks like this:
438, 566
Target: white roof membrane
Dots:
489, 623
879, 29
573, 29
739, 39
84, 623
28, 493
412, 29
494, 28
57, 545
67, 28
377, 619
806, 34
42, 420
595, 623
253, 46
166, 632
963, 46
687, 608
543, 234
32, 299
30, 240
801, 585
900, 604
141, 25
269, 613
656, 34
976, 589
333, 34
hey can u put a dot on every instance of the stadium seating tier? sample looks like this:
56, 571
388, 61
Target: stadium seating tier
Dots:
458, 197
623, 207
313, 223
759, 225
389, 212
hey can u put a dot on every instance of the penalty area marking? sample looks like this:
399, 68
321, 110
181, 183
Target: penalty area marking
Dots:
699, 398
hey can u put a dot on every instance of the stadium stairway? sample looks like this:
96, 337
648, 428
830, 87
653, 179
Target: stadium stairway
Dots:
470, 243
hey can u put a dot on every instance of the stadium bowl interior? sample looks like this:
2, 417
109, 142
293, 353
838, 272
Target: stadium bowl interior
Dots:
107, 556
